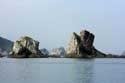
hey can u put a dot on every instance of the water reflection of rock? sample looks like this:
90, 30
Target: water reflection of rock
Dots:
84, 71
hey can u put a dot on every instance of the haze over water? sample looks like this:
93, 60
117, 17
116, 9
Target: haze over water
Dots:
53, 21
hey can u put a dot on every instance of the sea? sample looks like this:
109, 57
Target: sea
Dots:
62, 70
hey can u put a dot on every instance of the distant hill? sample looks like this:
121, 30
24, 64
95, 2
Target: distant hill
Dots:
5, 44
123, 54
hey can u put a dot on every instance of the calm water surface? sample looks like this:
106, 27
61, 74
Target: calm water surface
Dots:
62, 70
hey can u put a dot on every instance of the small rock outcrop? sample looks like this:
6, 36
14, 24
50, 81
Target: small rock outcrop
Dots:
6, 44
58, 52
81, 46
5, 47
26, 47
44, 51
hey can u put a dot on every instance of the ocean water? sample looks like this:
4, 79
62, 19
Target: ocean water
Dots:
62, 70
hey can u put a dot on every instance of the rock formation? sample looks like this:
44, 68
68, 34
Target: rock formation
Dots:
5, 47
5, 44
82, 46
58, 52
44, 51
26, 47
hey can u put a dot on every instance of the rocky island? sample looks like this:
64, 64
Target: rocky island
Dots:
26, 47
5, 46
58, 52
81, 46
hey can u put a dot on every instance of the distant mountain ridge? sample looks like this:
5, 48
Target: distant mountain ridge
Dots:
5, 44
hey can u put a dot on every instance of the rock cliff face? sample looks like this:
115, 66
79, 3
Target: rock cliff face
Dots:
5, 47
5, 44
82, 46
26, 47
58, 52
73, 47
44, 51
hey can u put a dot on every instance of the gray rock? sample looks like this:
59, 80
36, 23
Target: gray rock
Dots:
5, 47
82, 46
44, 51
26, 47
58, 52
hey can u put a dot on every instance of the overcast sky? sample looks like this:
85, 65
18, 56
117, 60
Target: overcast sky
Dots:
53, 21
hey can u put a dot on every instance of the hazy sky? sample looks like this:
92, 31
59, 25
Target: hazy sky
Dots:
53, 21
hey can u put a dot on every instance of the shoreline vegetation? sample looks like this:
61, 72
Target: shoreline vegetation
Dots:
80, 46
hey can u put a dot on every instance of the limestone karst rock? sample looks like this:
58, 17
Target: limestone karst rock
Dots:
58, 52
5, 44
82, 46
5, 47
26, 47
44, 51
